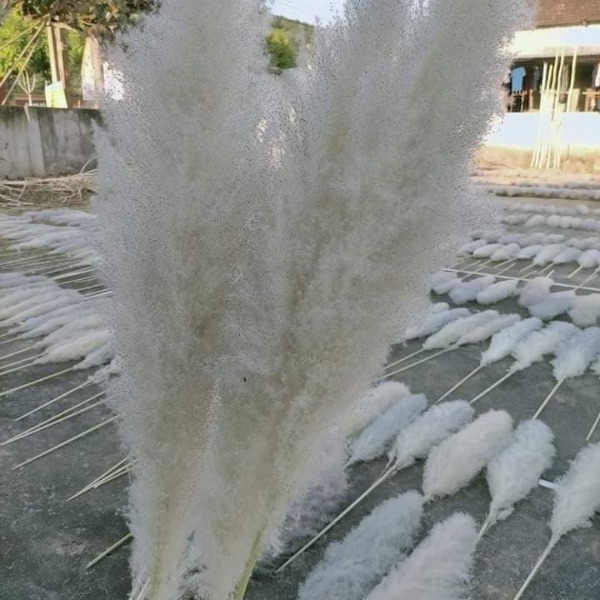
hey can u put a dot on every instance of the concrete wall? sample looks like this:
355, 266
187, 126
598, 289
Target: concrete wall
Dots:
42, 142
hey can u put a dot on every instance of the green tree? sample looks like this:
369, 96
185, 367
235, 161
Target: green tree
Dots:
90, 22
101, 18
15, 35
281, 49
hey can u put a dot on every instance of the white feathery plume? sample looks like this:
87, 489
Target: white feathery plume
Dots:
576, 500
438, 569
487, 250
589, 259
458, 459
573, 357
438, 307
576, 353
547, 253
516, 470
79, 347
413, 442
98, 357
585, 310
428, 430
529, 252
377, 436
498, 291
351, 568
41, 306
372, 405
487, 329
434, 322
449, 334
535, 221
511, 238
537, 344
553, 305
247, 254
316, 505
24, 298
442, 282
505, 253
467, 291
535, 291
504, 341
566, 256
506, 330
470, 247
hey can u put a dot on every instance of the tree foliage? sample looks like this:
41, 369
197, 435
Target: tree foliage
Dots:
281, 49
14, 27
285, 40
102, 18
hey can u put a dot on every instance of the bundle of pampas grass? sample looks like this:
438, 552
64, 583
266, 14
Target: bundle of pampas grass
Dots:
351, 568
576, 500
256, 291
438, 569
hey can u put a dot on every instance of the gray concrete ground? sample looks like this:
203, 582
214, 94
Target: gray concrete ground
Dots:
46, 542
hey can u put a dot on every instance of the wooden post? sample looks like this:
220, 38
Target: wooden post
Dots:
58, 58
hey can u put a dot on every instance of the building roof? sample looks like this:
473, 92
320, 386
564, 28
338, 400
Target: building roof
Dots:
553, 13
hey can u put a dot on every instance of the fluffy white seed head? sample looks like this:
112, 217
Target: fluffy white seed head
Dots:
451, 333
372, 405
575, 354
577, 494
516, 470
458, 459
467, 291
438, 569
504, 341
535, 291
428, 430
537, 344
377, 437
352, 567
498, 291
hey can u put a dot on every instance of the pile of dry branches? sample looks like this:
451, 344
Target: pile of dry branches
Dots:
70, 190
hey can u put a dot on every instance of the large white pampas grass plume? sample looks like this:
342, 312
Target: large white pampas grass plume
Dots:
535, 291
458, 459
431, 428
438, 569
498, 291
414, 442
553, 305
467, 291
443, 281
517, 469
375, 439
434, 322
256, 292
576, 353
316, 505
537, 344
351, 568
573, 356
504, 341
585, 310
372, 405
450, 333
576, 500
532, 348
487, 329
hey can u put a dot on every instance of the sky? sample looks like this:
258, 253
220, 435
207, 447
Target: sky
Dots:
306, 10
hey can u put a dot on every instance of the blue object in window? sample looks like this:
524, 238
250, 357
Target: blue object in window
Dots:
517, 77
